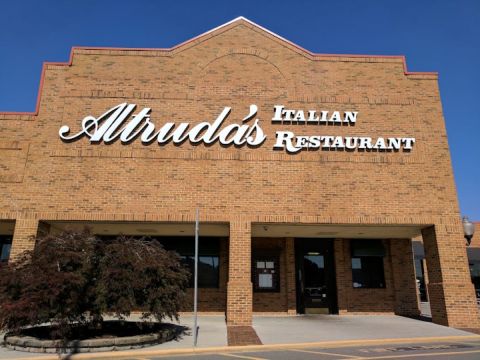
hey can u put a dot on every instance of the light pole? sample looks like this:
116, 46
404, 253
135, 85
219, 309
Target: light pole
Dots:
195, 283
468, 229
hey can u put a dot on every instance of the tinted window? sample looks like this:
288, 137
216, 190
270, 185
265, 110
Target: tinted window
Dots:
367, 264
5, 246
184, 246
207, 270
208, 257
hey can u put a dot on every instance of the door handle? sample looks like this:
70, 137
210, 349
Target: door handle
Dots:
301, 282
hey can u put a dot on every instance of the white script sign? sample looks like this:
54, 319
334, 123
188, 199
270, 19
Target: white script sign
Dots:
120, 123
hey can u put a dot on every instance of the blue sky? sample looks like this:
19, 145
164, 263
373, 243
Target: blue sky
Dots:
441, 36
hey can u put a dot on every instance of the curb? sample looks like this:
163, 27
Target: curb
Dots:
191, 351
125, 343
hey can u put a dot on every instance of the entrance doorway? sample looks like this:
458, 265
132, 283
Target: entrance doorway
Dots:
315, 276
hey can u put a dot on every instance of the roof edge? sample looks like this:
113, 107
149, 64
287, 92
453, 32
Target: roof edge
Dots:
207, 33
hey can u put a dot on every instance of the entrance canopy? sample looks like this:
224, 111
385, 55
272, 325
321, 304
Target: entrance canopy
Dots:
271, 230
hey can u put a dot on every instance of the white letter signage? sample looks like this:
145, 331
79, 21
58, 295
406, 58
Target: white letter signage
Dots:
120, 123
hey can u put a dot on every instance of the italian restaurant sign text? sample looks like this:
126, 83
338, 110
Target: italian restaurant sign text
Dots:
124, 124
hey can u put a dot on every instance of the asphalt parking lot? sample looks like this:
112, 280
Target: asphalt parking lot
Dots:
461, 350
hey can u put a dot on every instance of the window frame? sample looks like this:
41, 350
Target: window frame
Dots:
5, 240
191, 270
266, 257
373, 260
184, 246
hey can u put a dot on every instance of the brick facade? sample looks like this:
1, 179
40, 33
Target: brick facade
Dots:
23, 237
212, 300
403, 278
399, 295
283, 300
44, 180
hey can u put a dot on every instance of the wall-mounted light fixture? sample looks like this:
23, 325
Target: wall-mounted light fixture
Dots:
468, 229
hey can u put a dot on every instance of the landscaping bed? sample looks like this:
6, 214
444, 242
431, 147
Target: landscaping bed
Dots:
114, 335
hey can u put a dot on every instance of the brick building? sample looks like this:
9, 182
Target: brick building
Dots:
312, 173
421, 272
473, 253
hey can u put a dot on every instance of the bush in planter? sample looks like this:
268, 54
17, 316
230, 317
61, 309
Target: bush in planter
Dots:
72, 279
140, 274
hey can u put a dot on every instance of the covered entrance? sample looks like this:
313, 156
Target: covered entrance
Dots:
315, 276
333, 269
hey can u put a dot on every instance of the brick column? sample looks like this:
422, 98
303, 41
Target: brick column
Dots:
239, 288
290, 276
341, 267
450, 289
404, 281
23, 236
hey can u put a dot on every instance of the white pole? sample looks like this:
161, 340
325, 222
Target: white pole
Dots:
195, 284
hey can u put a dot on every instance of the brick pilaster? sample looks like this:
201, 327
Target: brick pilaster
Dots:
290, 275
404, 281
340, 268
451, 292
239, 289
23, 236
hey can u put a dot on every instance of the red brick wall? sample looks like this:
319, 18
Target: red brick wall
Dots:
358, 300
404, 281
239, 286
43, 178
212, 299
232, 67
450, 288
272, 301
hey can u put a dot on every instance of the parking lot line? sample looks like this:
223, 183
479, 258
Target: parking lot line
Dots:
324, 353
242, 356
420, 355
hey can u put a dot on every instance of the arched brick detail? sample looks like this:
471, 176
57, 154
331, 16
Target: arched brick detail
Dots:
282, 81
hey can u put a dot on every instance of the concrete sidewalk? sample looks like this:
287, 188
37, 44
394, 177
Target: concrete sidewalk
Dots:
285, 330
315, 328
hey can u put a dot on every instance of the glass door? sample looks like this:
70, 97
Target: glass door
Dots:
315, 276
314, 284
